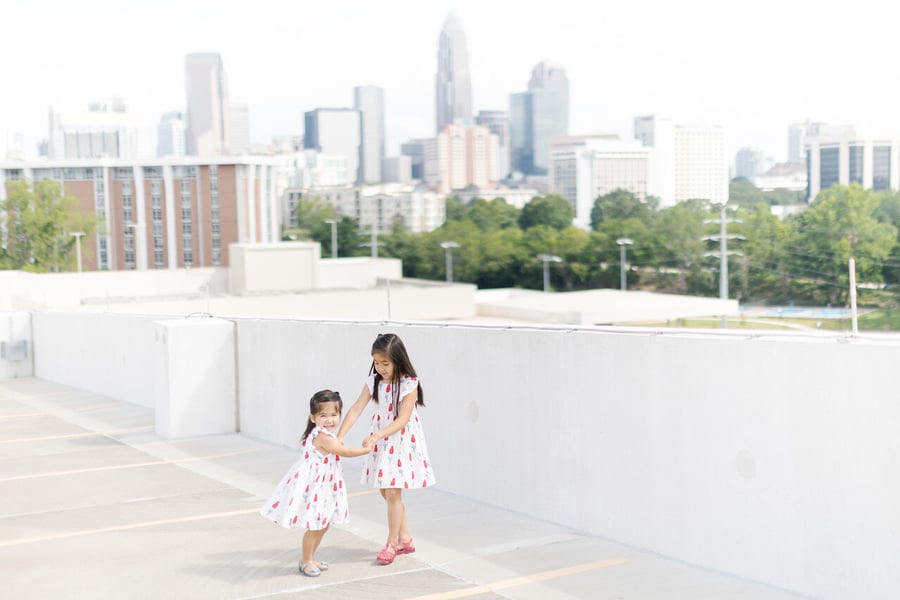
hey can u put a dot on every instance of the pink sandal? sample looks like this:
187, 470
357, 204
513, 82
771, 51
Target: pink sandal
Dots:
387, 554
406, 547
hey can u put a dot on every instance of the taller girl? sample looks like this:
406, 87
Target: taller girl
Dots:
399, 458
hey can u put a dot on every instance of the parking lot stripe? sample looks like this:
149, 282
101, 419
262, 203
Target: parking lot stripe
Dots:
143, 524
129, 465
518, 581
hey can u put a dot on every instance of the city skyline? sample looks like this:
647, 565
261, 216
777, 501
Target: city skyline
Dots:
755, 73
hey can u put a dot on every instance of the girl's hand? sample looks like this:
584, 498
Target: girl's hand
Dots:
369, 442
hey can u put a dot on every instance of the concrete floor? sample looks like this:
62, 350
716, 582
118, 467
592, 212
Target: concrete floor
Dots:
93, 504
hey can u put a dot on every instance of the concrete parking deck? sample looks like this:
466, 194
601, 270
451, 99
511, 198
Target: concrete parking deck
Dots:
93, 504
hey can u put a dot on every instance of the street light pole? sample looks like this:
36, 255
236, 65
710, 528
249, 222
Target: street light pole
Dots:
623, 242
723, 255
78, 235
448, 257
334, 251
547, 259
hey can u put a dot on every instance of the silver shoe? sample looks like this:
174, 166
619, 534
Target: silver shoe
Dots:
310, 570
323, 566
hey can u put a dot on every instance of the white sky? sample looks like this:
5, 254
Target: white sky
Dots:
754, 67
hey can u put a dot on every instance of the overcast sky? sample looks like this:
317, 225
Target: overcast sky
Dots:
754, 67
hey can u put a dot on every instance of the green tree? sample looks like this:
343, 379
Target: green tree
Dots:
681, 265
841, 224
762, 272
39, 222
621, 204
494, 214
888, 211
551, 210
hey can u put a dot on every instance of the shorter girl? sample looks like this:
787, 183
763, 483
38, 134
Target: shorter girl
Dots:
312, 494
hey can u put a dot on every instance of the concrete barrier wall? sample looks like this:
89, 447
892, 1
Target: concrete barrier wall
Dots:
16, 345
769, 457
357, 272
20, 290
113, 355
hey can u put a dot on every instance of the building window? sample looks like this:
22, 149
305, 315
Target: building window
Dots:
856, 164
881, 168
829, 167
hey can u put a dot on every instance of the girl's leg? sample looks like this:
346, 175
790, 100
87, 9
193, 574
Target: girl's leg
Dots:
317, 542
311, 541
398, 529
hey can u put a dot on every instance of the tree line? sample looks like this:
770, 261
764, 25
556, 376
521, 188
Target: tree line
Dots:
801, 259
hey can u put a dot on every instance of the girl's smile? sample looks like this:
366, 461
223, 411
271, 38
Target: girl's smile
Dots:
328, 417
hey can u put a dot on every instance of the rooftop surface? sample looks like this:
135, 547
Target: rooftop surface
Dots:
94, 504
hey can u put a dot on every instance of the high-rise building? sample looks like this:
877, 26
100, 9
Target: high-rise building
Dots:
238, 128
369, 101
535, 117
104, 130
872, 161
461, 156
170, 134
689, 161
750, 163
798, 132
335, 131
415, 150
397, 169
207, 116
498, 123
585, 167
164, 213
453, 86
12, 144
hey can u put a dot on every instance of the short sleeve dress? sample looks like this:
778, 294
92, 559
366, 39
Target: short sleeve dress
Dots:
312, 494
400, 460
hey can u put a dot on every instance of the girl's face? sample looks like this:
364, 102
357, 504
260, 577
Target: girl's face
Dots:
328, 417
383, 366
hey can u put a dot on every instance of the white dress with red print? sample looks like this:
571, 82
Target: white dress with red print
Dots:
400, 460
312, 494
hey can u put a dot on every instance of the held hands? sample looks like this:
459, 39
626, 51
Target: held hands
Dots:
369, 442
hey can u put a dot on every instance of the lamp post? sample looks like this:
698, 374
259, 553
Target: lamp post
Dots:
547, 259
724, 253
623, 242
78, 235
333, 223
448, 257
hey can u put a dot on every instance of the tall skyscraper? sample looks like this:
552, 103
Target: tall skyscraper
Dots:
170, 134
335, 131
688, 161
536, 116
498, 122
453, 86
104, 130
207, 105
238, 128
369, 101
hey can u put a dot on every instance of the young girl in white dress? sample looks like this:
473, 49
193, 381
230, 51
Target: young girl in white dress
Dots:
312, 494
399, 459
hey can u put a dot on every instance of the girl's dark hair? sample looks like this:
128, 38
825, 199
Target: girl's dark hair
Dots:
318, 399
392, 346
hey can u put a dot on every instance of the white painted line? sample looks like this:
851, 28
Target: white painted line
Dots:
129, 465
527, 579
76, 435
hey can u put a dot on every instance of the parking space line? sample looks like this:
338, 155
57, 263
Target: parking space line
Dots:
141, 525
129, 465
46, 438
525, 580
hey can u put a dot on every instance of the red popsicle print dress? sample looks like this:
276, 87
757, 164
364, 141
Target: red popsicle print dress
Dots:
400, 460
312, 494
